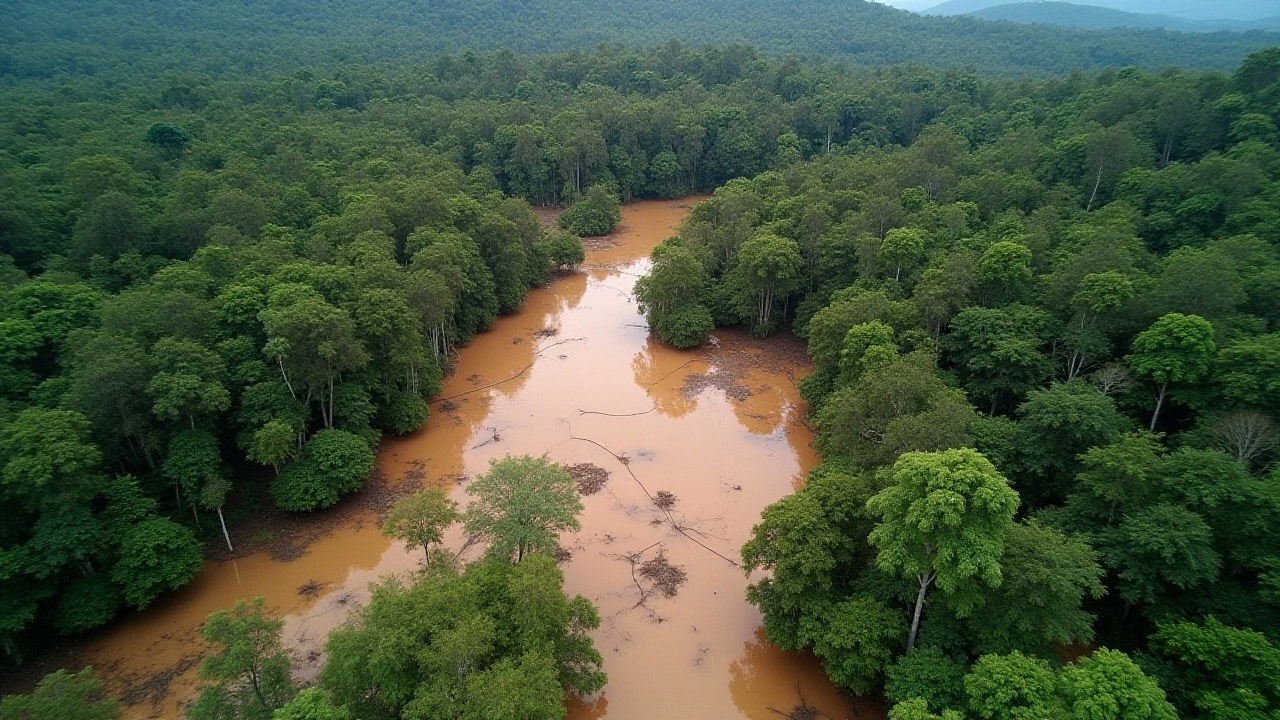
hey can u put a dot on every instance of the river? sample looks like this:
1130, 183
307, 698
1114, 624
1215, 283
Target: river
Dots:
574, 374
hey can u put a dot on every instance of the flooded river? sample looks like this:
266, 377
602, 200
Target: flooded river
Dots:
713, 434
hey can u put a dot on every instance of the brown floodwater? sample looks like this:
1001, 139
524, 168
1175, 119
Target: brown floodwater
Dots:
715, 434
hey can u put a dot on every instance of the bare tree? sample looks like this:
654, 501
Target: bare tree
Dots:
1246, 435
1111, 379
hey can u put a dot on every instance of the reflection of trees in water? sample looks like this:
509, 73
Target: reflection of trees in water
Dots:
654, 367
580, 709
569, 289
761, 412
765, 677
749, 674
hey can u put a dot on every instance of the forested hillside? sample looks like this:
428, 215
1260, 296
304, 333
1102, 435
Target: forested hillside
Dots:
121, 39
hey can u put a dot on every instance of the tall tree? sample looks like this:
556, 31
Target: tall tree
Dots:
1176, 348
943, 519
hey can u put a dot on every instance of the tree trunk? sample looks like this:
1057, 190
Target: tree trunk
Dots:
1096, 185
1164, 386
925, 581
225, 536
285, 375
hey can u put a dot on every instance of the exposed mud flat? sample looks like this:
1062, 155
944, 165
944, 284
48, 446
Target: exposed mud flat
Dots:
676, 453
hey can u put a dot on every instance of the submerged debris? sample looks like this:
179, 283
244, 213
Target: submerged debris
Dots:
589, 478
663, 577
664, 499
310, 589
802, 711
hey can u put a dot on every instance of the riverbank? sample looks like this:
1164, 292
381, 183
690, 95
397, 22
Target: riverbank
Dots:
694, 444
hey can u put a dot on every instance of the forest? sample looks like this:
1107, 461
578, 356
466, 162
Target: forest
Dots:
1043, 313
118, 40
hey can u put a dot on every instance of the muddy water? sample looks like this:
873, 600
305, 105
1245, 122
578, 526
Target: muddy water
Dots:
574, 375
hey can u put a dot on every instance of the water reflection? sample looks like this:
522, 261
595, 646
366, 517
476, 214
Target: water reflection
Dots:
765, 681
660, 370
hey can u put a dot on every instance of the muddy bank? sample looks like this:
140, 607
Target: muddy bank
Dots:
675, 453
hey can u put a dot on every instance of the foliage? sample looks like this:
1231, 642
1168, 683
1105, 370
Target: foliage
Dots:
247, 677
595, 214
521, 505
62, 696
943, 520
333, 463
686, 326
496, 637
419, 520
1218, 670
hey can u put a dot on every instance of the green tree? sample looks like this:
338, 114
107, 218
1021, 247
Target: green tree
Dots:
902, 247
247, 676
565, 250
496, 640
1000, 352
189, 380
595, 214
1046, 577
333, 463
273, 444
1004, 272
856, 639
1218, 671
918, 709
1107, 685
62, 696
1177, 348
311, 704
926, 673
769, 267
195, 464
686, 326
419, 520
1012, 687
676, 278
943, 520
155, 555
521, 505
312, 342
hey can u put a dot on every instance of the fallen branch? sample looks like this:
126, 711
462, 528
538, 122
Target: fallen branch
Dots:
625, 462
523, 370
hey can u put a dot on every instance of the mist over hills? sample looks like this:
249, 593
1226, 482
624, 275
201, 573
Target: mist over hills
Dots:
1189, 9
1094, 17
120, 37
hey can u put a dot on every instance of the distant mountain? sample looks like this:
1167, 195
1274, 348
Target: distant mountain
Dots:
1190, 9
51, 39
1098, 18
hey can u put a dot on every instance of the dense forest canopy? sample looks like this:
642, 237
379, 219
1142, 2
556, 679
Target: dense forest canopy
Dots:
224, 277
123, 38
1045, 391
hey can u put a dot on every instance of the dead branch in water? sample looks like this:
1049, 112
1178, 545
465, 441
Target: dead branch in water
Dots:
664, 499
653, 577
650, 386
626, 463
803, 711
522, 371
